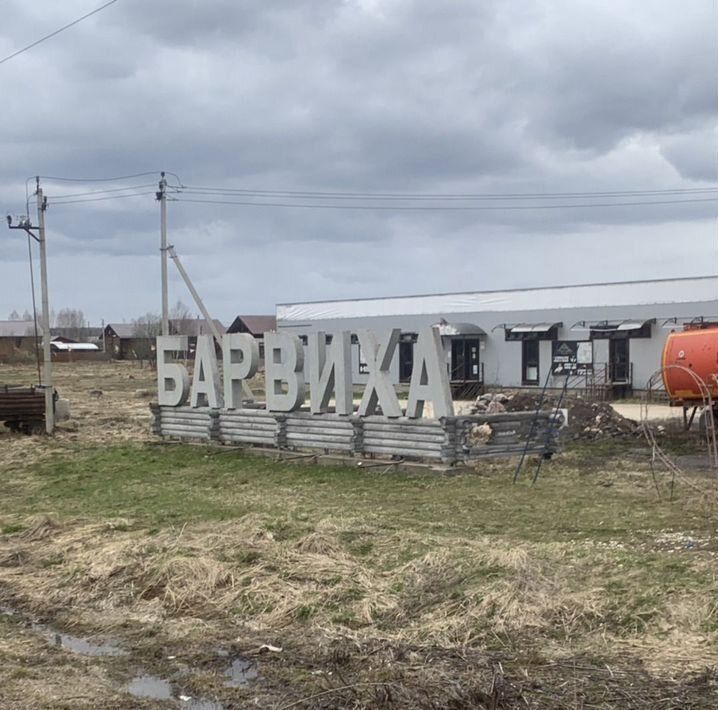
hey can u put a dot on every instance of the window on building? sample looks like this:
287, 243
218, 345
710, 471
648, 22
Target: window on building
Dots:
530, 362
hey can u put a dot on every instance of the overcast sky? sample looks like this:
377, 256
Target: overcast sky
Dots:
382, 96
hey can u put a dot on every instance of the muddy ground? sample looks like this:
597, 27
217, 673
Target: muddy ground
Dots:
137, 574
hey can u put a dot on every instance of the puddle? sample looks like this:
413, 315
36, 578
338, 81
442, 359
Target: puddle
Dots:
240, 672
150, 686
76, 644
155, 688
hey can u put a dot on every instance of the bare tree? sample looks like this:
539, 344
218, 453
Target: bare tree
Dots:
26, 315
72, 320
14, 316
145, 329
180, 311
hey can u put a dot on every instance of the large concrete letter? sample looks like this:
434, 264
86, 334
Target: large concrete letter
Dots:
205, 382
332, 374
284, 359
172, 377
379, 390
240, 357
429, 378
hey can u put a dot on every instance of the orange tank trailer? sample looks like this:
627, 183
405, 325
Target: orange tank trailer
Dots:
696, 350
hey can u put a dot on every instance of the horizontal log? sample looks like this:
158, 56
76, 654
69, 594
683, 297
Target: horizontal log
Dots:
400, 428
185, 428
319, 424
185, 420
401, 421
230, 426
413, 453
237, 439
297, 436
409, 438
324, 417
185, 435
248, 418
331, 446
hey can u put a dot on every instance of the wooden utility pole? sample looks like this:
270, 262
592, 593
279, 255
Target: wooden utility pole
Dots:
46, 336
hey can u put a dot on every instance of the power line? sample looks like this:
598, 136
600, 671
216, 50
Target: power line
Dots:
70, 195
440, 208
57, 32
117, 178
61, 203
307, 194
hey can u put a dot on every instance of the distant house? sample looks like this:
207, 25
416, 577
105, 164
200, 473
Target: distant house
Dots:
85, 334
17, 337
65, 349
124, 341
254, 325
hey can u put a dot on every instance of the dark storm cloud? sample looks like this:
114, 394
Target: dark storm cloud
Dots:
359, 95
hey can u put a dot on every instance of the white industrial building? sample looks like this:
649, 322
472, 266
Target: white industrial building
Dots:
606, 336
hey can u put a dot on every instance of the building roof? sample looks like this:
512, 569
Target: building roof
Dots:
624, 293
18, 328
123, 330
194, 326
256, 325
60, 345
178, 326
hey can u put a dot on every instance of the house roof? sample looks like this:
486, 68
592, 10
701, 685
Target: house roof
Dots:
178, 326
18, 328
256, 325
122, 330
194, 326
626, 293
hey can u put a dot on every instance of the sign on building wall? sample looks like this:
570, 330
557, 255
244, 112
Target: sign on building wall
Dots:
571, 357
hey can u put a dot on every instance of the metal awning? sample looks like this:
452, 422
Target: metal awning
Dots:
453, 329
610, 326
690, 321
532, 327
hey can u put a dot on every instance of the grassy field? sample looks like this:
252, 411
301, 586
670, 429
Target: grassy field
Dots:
382, 590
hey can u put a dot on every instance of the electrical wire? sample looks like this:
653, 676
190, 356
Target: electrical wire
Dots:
307, 194
61, 203
70, 195
57, 32
441, 208
117, 178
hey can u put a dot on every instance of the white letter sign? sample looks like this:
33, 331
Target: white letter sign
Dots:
429, 378
172, 377
205, 382
284, 359
379, 390
330, 374
240, 356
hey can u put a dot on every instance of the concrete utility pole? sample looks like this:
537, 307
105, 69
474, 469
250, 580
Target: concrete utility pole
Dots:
162, 197
46, 337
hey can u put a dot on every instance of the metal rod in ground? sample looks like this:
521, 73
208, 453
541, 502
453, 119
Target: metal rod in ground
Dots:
550, 429
532, 428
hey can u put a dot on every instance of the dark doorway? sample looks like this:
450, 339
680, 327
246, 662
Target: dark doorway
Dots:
619, 360
406, 360
530, 362
465, 359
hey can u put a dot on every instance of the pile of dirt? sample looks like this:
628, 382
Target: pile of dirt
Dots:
586, 420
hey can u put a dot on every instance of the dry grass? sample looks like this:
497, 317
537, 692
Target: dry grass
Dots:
383, 591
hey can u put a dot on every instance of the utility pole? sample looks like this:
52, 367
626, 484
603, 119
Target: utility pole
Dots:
162, 197
25, 224
46, 337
